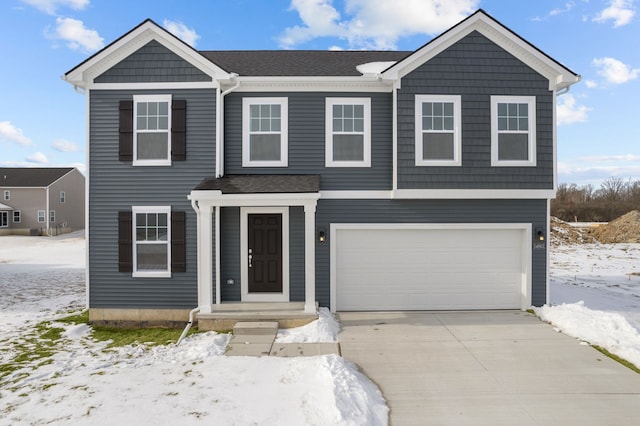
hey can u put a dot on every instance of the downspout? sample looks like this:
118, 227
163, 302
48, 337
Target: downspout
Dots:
46, 212
220, 125
186, 329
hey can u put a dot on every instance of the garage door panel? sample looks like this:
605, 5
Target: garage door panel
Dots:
425, 269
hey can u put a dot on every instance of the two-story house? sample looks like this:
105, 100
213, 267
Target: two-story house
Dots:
350, 179
41, 200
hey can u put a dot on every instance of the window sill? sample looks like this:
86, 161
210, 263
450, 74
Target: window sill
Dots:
513, 164
151, 163
152, 274
345, 164
439, 163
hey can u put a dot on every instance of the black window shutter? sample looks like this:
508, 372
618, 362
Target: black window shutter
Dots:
179, 130
178, 246
125, 243
126, 131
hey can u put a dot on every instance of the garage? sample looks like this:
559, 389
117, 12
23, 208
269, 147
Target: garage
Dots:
430, 266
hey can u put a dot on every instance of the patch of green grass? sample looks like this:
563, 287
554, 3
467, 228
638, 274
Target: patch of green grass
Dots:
129, 336
615, 357
81, 318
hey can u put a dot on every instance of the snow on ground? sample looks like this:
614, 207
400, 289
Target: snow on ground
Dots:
83, 382
595, 295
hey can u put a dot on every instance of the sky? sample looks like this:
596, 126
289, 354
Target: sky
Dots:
42, 118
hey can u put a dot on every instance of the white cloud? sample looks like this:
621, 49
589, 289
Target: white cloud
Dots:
11, 133
77, 36
619, 11
37, 157
567, 8
568, 111
608, 158
50, 6
180, 30
64, 146
374, 24
591, 84
615, 71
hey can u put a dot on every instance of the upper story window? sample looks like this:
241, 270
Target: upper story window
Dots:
265, 132
513, 131
438, 130
348, 132
63, 197
6, 195
152, 241
152, 131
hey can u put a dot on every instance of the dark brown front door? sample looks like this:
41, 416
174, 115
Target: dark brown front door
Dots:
265, 253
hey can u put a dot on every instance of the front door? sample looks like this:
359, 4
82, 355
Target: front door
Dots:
265, 253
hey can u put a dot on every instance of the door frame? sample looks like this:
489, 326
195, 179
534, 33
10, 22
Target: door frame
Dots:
244, 253
526, 253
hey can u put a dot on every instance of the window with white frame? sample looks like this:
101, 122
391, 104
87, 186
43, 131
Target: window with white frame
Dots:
265, 132
63, 197
152, 130
17, 217
4, 219
41, 216
348, 132
151, 241
7, 195
513, 131
52, 216
438, 139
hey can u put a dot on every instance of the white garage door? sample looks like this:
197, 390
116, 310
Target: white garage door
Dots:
428, 269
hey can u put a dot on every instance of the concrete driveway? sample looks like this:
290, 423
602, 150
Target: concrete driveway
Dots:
487, 368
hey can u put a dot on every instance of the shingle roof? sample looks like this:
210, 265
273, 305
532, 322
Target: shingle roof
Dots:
253, 184
31, 177
298, 63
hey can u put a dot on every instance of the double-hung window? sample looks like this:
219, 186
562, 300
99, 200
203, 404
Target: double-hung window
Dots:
513, 131
438, 139
348, 132
7, 195
42, 216
63, 197
265, 132
151, 241
52, 216
17, 217
152, 130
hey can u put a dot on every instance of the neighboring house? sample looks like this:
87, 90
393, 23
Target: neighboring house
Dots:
350, 179
41, 201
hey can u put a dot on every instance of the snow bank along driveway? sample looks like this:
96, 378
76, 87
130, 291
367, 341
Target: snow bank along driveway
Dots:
82, 382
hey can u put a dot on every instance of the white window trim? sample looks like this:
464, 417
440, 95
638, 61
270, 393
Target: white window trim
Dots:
63, 197
52, 216
6, 195
44, 216
457, 129
244, 249
366, 103
531, 101
284, 132
150, 209
150, 98
19, 216
4, 213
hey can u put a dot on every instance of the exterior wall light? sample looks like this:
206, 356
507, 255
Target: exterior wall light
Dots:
539, 234
322, 237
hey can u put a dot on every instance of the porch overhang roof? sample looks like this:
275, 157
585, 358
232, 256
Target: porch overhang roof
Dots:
261, 184
5, 207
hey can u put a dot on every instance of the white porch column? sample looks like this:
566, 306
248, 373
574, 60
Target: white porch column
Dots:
310, 256
205, 257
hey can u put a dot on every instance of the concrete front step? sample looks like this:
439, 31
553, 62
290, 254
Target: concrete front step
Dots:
260, 328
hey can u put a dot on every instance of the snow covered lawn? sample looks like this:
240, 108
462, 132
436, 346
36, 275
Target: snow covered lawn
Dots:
595, 296
83, 382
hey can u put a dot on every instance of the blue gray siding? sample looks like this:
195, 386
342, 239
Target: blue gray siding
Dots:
307, 141
117, 185
475, 68
152, 63
430, 211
